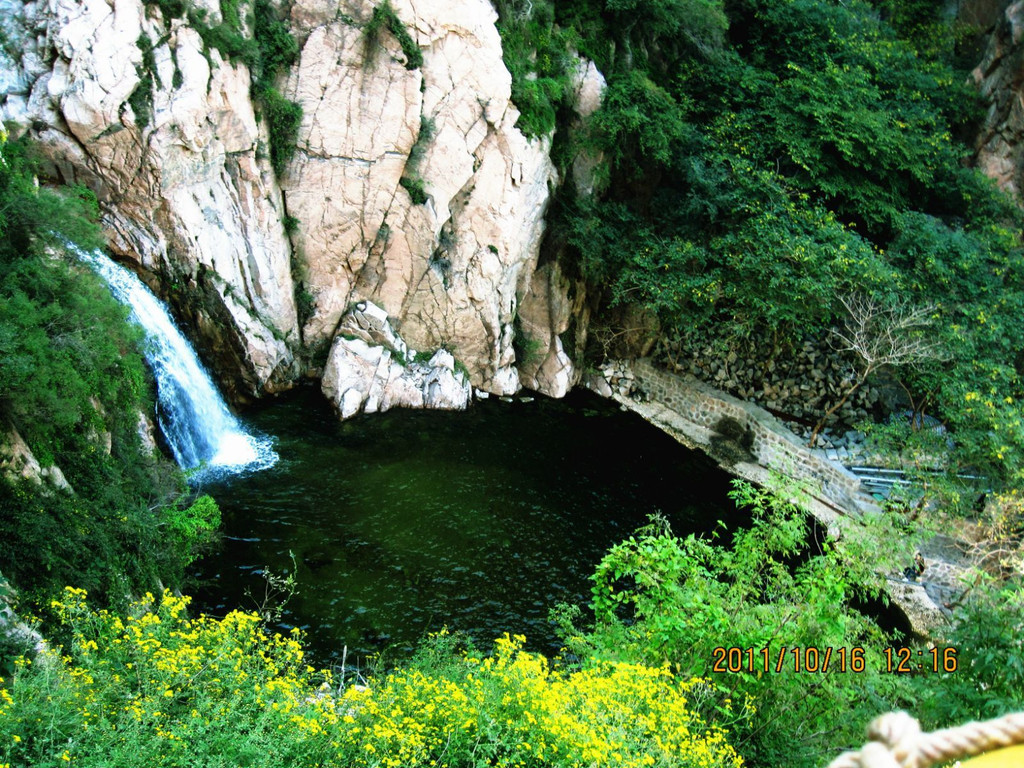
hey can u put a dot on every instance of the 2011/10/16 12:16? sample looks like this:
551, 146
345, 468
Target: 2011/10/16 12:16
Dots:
838, 659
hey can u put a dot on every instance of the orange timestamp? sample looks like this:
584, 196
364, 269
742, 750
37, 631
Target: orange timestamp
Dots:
920, 659
829, 658
796, 659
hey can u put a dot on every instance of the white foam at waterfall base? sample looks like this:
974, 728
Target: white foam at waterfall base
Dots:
201, 432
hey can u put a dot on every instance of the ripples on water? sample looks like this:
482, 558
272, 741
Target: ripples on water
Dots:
405, 522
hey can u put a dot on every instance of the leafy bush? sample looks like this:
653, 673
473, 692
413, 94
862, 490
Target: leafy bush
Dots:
191, 528
384, 17
73, 381
642, 121
536, 52
621, 35
229, 37
72, 377
284, 118
141, 99
657, 599
989, 681
414, 186
807, 154
411, 181
170, 9
278, 48
25, 208
277, 51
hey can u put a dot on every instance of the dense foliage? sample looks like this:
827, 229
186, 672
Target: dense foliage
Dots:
70, 369
154, 687
651, 683
763, 158
277, 51
72, 383
771, 619
661, 599
988, 637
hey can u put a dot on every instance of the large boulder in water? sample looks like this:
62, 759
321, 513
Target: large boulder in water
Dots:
370, 368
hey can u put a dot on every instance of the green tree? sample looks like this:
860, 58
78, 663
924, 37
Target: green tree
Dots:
811, 153
989, 679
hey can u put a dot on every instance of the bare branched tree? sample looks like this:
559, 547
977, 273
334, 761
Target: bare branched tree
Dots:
878, 334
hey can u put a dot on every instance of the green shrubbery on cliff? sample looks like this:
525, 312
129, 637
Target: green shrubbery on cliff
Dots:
384, 17
763, 158
72, 378
537, 54
278, 50
256, 37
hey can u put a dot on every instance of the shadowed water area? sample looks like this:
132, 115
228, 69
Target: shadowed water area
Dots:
405, 522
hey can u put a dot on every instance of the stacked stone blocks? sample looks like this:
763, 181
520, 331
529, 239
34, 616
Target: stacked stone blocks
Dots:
773, 446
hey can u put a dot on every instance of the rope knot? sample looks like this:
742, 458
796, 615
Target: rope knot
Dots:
897, 736
897, 742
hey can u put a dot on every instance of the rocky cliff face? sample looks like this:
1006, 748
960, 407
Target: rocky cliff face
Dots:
1000, 82
451, 266
411, 187
184, 192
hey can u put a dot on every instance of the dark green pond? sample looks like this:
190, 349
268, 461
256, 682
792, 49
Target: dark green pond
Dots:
405, 522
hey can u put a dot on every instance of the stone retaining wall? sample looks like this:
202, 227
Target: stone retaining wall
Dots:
700, 414
755, 443
799, 384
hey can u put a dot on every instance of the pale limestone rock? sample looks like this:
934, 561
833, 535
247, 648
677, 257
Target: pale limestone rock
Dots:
17, 461
360, 122
598, 384
146, 430
350, 403
921, 611
370, 323
351, 368
980, 15
367, 373
547, 312
185, 196
1000, 81
190, 196
453, 268
444, 387
588, 89
16, 631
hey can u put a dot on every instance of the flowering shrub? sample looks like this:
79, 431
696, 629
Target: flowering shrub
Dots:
156, 688
513, 709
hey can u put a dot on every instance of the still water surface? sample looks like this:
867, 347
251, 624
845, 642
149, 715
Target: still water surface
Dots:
405, 522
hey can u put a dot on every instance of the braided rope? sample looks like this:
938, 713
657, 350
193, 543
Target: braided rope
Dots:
897, 742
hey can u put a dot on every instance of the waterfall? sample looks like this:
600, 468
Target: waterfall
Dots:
193, 417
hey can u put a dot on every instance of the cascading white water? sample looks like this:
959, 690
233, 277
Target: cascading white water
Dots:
194, 418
